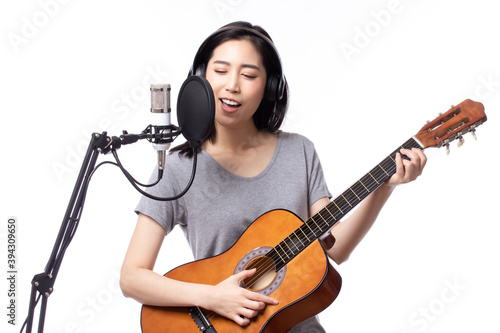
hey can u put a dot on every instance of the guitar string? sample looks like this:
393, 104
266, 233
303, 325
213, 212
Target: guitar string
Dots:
349, 198
326, 222
388, 168
321, 224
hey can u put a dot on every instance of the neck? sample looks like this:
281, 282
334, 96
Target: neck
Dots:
236, 139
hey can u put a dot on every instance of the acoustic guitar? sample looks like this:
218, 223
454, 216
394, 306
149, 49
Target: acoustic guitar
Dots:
290, 260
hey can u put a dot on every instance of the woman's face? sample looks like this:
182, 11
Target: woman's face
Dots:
238, 79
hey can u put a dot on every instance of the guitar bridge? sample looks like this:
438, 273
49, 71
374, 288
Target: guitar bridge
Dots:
201, 320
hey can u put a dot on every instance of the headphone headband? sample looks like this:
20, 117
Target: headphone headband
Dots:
276, 82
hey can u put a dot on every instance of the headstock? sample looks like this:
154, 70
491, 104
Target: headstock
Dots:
452, 125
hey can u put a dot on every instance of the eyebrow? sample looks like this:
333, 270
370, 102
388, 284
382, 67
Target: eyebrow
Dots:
222, 62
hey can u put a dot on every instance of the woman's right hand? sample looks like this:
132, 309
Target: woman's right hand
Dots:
238, 304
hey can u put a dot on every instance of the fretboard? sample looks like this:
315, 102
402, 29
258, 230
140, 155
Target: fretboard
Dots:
324, 220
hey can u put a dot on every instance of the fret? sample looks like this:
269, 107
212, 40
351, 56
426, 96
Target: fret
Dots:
370, 183
333, 216
279, 266
354, 193
321, 228
328, 224
383, 170
312, 218
346, 200
373, 178
279, 263
275, 250
379, 174
359, 192
288, 246
311, 237
308, 240
346, 206
307, 225
294, 243
299, 239
283, 251
366, 188
337, 206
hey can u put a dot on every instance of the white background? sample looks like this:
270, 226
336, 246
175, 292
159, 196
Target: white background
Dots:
364, 77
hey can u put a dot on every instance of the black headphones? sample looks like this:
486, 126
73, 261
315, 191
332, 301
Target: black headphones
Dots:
276, 83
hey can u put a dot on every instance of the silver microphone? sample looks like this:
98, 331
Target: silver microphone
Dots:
160, 117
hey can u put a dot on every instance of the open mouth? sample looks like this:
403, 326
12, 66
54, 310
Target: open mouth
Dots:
230, 102
228, 105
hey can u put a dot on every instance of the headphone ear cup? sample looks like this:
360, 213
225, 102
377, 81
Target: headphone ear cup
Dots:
270, 93
274, 88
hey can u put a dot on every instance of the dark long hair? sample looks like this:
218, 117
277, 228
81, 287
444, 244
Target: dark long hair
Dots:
270, 114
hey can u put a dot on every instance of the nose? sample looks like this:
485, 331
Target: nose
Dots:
232, 83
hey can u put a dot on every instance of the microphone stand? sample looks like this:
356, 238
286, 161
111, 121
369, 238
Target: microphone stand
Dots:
42, 284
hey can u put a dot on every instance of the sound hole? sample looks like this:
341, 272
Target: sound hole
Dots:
265, 280
263, 276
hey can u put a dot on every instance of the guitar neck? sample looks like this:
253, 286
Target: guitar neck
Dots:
324, 220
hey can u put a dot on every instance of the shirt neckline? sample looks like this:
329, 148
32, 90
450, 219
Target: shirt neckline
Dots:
261, 174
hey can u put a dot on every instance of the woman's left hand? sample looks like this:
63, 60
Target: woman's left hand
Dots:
408, 170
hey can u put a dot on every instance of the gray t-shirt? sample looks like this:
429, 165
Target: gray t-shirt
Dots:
220, 205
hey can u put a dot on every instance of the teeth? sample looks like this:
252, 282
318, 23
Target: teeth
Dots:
227, 101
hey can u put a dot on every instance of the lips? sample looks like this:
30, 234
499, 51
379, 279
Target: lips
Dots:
229, 105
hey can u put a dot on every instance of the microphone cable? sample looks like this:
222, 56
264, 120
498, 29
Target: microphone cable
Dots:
135, 183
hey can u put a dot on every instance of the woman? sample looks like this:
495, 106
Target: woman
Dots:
246, 167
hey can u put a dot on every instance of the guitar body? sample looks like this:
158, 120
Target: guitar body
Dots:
304, 287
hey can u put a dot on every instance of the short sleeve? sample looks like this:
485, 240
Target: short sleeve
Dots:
167, 213
315, 177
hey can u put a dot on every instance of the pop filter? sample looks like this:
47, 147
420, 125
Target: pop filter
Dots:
195, 109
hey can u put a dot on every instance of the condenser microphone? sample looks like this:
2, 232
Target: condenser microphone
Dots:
196, 109
160, 119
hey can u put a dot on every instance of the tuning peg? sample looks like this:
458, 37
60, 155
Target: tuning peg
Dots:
460, 141
474, 134
447, 149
